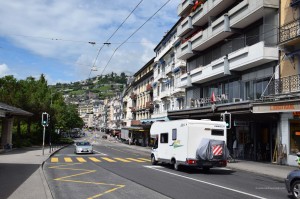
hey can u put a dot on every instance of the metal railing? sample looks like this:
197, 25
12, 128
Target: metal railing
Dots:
289, 31
284, 86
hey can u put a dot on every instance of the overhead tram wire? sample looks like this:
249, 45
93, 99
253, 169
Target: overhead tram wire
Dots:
107, 41
133, 34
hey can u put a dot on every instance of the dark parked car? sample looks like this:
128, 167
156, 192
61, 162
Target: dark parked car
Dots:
292, 183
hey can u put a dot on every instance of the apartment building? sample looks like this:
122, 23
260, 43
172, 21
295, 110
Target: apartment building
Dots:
141, 101
167, 71
231, 52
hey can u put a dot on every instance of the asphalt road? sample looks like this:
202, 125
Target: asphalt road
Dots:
115, 171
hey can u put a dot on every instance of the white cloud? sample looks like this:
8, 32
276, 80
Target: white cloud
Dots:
4, 70
60, 30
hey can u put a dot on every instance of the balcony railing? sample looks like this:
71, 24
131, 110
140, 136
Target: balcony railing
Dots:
289, 31
149, 105
294, 3
135, 122
133, 96
149, 87
133, 109
283, 86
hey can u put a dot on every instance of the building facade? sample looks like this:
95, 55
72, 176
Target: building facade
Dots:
231, 52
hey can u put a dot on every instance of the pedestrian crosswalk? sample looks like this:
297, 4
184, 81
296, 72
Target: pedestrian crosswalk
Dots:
96, 159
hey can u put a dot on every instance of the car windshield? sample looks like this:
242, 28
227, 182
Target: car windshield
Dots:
83, 144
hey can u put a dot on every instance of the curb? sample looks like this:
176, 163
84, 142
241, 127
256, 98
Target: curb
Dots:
48, 192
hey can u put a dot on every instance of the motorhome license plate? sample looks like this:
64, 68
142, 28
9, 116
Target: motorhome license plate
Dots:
207, 164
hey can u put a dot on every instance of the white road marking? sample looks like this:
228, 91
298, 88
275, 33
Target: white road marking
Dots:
204, 182
100, 153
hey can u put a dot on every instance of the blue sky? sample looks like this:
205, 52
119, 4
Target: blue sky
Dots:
52, 36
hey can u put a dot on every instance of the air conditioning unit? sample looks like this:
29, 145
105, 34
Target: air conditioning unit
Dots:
237, 99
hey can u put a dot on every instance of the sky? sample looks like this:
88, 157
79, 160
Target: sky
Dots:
61, 38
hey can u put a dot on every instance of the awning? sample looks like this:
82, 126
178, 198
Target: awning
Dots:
151, 120
175, 70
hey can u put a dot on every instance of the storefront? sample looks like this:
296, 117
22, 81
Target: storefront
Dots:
287, 142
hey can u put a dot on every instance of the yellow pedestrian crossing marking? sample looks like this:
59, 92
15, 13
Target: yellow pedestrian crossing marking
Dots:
147, 160
81, 160
108, 159
135, 160
67, 159
122, 159
54, 159
98, 159
94, 159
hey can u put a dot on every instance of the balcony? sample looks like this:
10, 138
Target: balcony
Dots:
209, 8
185, 51
241, 16
289, 32
248, 11
133, 110
184, 7
240, 60
185, 26
133, 96
149, 105
180, 63
284, 86
149, 87
176, 91
294, 3
211, 35
135, 122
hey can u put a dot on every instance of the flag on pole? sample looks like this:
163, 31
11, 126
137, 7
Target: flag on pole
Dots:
213, 97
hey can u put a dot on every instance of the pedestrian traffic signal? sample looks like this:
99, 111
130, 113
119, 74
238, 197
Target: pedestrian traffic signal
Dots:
45, 119
227, 119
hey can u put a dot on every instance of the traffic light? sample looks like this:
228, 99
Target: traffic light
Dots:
45, 119
227, 119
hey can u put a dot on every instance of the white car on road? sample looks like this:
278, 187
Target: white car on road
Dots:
83, 147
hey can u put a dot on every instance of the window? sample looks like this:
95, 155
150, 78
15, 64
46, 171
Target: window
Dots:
174, 134
217, 132
294, 136
164, 137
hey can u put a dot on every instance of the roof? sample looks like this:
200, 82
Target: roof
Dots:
6, 109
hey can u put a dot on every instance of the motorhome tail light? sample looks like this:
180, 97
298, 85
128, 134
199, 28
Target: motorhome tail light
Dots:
223, 163
191, 161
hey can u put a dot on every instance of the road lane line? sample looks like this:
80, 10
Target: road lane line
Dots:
94, 159
54, 159
67, 159
122, 159
135, 160
85, 172
208, 183
108, 159
99, 152
147, 160
81, 159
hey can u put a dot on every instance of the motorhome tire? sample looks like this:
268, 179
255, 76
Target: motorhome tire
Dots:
206, 169
176, 166
153, 161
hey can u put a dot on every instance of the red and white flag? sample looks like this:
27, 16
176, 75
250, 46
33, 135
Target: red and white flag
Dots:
213, 98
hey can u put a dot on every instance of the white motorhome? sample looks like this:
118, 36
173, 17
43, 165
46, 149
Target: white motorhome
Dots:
199, 143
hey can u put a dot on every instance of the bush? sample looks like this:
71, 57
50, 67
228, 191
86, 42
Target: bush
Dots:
65, 141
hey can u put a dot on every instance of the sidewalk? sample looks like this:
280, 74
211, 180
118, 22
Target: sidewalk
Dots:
22, 171
267, 169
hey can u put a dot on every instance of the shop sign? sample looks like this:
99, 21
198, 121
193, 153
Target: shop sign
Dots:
296, 114
240, 123
297, 133
276, 108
